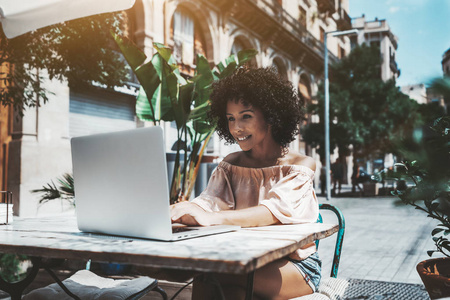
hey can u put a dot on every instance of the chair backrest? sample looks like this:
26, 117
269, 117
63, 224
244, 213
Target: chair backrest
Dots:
339, 238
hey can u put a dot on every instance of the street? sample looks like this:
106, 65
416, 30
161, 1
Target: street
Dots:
383, 241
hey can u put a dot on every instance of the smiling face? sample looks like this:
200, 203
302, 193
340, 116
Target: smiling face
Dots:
247, 125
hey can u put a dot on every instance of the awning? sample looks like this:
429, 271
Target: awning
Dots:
21, 16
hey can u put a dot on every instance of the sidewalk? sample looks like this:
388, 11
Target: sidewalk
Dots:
383, 241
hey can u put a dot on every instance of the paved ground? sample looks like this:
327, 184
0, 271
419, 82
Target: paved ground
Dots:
383, 241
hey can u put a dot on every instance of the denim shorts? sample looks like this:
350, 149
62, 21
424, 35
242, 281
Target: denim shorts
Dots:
310, 268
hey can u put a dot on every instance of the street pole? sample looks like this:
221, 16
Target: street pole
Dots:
327, 121
327, 106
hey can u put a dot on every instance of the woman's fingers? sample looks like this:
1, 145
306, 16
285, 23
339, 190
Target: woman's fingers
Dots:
189, 214
184, 213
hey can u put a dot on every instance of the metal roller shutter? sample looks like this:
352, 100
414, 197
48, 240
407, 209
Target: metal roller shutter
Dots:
99, 111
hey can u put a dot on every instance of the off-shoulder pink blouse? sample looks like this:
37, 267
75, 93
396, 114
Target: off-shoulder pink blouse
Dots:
286, 190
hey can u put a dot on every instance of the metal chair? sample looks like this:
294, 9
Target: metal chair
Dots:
331, 288
339, 238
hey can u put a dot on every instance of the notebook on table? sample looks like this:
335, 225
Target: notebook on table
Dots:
121, 186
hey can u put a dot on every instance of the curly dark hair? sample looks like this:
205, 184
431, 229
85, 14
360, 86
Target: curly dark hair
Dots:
264, 89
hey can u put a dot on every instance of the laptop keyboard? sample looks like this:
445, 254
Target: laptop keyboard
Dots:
181, 229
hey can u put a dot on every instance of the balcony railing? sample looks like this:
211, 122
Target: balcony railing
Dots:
326, 6
393, 65
343, 21
276, 27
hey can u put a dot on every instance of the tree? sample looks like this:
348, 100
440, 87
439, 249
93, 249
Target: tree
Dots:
365, 111
80, 51
442, 86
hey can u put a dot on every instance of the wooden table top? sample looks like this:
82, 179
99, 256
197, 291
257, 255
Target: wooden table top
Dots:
236, 252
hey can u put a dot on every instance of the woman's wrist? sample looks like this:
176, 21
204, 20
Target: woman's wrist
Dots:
218, 218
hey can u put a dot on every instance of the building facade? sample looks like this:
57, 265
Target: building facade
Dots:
288, 35
378, 33
418, 92
446, 63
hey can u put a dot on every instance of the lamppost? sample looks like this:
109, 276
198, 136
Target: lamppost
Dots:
327, 105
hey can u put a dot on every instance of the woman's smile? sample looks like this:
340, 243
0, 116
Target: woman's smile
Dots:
244, 138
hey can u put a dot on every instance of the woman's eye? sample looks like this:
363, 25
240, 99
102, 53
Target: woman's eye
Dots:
230, 119
247, 116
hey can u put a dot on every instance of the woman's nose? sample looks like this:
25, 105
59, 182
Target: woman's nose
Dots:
237, 127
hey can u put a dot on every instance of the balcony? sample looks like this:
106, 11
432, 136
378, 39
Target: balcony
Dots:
393, 65
343, 20
326, 6
277, 29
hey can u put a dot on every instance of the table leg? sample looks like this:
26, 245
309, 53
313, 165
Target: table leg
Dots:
249, 292
15, 289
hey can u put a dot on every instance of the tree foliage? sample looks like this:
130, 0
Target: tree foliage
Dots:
365, 111
442, 86
80, 51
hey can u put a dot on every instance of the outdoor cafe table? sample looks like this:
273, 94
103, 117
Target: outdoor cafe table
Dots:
238, 252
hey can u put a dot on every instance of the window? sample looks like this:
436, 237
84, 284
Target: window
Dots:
188, 39
341, 52
375, 44
302, 16
183, 38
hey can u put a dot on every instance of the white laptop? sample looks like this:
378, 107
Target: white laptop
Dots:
121, 186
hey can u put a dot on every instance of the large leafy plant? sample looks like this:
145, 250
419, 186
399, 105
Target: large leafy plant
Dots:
426, 170
167, 95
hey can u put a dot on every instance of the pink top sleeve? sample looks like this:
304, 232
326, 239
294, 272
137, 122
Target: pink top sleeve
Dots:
292, 200
218, 194
286, 190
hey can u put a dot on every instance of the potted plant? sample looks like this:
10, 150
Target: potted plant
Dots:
426, 170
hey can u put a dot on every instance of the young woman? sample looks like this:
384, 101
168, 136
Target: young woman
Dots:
261, 185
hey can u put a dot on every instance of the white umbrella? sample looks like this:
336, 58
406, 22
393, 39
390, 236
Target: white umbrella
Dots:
21, 16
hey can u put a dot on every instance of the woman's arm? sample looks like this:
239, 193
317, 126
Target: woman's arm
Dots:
192, 214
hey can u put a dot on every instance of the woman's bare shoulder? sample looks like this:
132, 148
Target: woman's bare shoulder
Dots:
299, 159
233, 158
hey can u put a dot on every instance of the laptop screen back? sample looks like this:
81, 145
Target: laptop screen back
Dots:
121, 184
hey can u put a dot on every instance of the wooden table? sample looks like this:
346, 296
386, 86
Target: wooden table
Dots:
239, 252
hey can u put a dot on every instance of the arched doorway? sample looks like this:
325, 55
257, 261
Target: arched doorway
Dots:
242, 43
280, 67
304, 87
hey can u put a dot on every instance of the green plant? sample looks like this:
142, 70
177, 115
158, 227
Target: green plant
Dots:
64, 191
427, 168
367, 113
77, 51
165, 95
10, 267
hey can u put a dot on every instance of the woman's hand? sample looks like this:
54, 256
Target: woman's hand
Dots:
191, 214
